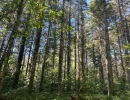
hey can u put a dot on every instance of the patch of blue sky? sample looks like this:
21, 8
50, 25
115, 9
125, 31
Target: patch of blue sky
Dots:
88, 1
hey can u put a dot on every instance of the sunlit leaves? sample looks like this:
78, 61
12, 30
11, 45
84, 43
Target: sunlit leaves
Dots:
127, 46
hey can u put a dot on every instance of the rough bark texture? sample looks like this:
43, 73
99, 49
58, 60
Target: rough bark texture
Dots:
101, 73
19, 63
82, 41
34, 59
45, 58
61, 53
2, 46
108, 54
69, 51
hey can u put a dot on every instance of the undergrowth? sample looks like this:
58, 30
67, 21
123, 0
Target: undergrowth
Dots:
22, 95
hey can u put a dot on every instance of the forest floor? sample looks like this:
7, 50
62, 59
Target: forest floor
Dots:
64, 96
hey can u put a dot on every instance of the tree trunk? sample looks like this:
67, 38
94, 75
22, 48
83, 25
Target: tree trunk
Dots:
34, 59
116, 66
124, 34
19, 63
121, 57
69, 51
82, 43
2, 46
61, 52
30, 49
101, 73
20, 57
108, 54
45, 58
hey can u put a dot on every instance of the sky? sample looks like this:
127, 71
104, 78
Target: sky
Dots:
88, 1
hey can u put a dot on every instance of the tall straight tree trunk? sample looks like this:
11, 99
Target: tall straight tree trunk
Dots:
123, 34
127, 35
53, 61
108, 53
65, 62
116, 66
61, 52
94, 58
82, 40
120, 51
2, 46
121, 58
19, 63
78, 51
69, 51
124, 20
20, 57
101, 65
54, 48
30, 49
34, 59
45, 58
86, 57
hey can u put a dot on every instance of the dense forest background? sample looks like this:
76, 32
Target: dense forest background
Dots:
54, 49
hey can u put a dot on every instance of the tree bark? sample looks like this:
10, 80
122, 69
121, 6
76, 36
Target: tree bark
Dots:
101, 73
108, 54
30, 49
19, 63
61, 52
34, 59
45, 58
69, 51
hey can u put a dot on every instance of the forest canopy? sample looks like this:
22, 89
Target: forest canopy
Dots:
64, 49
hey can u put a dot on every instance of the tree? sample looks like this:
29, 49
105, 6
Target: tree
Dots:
61, 51
108, 55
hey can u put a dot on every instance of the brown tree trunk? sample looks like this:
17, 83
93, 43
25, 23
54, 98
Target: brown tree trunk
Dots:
116, 66
101, 73
108, 53
124, 34
121, 57
19, 63
34, 59
61, 52
45, 58
20, 57
69, 51
78, 51
2, 46
30, 49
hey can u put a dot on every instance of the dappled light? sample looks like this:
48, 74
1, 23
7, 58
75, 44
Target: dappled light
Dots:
64, 49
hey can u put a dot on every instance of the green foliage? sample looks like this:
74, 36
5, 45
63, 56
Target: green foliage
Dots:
36, 96
23, 95
127, 46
